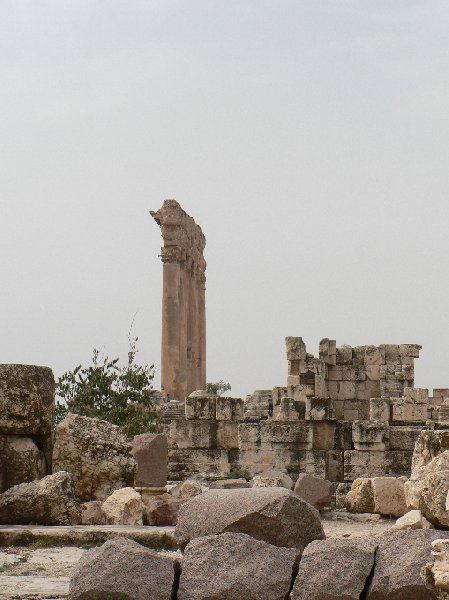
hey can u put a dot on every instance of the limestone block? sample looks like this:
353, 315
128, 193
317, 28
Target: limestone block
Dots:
372, 390
188, 489
20, 461
249, 435
409, 350
123, 507
162, 512
370, 435
323, 435
338, 409
391, 353
441, 392
208, 462
440, 566
297, 392
404, 437
314, 490
296, 435
413, 519
272, 478
416, 395
379, 409
294, 461
201, 407
229, 484
229, 409
27, 396
341, 491
91, 513
318, 409
404, 411
398, 462
293, 367
320, 386
389, 496
258, 460
374, 356
360, 499
289, 409
363, 464
358, 355
192, 434
228, 434
150, 453
428, 446
346, 390
334, 465
293, 380
343, 435
343, 373
350, 414
278, 393
344, 355
373, 372
332, 389
296, 348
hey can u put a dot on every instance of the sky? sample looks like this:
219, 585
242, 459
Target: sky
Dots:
309, 139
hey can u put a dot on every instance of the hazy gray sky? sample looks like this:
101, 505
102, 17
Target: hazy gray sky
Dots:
309, 139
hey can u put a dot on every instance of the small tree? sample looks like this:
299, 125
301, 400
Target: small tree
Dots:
218, 388
122, 395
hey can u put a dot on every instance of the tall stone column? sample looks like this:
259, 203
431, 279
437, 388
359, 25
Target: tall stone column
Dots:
183, 354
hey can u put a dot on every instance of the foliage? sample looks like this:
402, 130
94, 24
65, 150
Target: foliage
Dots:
218, 388
122, 395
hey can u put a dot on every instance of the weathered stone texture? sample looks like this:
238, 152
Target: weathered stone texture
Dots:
315, 491
96, 453
123, 507
150, 452
21, 461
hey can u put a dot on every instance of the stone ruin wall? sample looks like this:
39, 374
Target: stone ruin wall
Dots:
349, 413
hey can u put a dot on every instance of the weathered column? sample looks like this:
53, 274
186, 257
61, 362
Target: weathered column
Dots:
183, 355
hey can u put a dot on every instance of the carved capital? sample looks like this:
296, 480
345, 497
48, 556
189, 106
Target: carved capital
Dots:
171, 254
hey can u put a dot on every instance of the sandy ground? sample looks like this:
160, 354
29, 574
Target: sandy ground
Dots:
38, 573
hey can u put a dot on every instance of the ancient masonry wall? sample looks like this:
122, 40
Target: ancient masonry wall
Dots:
349, 413
183, 355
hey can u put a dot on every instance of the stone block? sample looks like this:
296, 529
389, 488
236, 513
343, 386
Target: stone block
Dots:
27, 396
293, 380
150, 453
318, 409
186, 462
374, 356
398, 462
229, 409
411, 350
379, 409
314, 490
373, 372
332, 389
343, 435
289, 409
278, 393
201, 407
416, 395
389, 496
351, 414
21, 461
404, 411
391, 353
192, 434
403, 437
296, 348
372, 390
343, 373
360, 498
338, 409
370, 435
323, 435
335, 465
344, 355
441, 393
249, 435
227, 434
363, 464
346, 390
296, 435
294, 367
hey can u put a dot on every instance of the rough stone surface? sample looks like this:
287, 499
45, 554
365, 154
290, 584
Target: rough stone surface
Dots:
428, 446
229, 484
275, 515
49, 501
272, 479
122, 569
27, 395
314, 490
428, 489
413, 519
332, 569
400, 567
440, 567
235, 565
162, 511
123, 507
361, 498
91, 513
150, 453
96, 453
389, 496
21, 461
188, 489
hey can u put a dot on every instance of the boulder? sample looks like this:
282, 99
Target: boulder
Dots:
96, 453
428, 446
150, 453
274, 515
360, 498
91, 513
27, 396
21, 461
389, 496
314, 490
188, 489
229, 484
162, 511
272, 479
123, 507
334, 568
440, 566
122, 568
400, 566
49, 501
428, 489
235, 565
412, 520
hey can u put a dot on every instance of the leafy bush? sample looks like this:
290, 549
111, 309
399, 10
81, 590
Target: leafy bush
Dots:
218, 388
122, 395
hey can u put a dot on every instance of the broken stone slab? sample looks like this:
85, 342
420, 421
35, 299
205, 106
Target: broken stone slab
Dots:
48, 501
360, 499
150, 452
123, 507
272, 478
334, 569
123, 568
274, 515
235, 565
314, 490
389, 496
413, 519
96, 453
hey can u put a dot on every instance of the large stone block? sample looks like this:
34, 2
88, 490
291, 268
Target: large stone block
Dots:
182, 463
398, 462
428, 446
370, 435
229, 409
360, 498
404, 411
27, 396
227, 434
192, 434
324, 435
364, 464
404, 437
201, 407
296, 348
318, 409
297, 435
334, 465
288, 409
20, 461
374, 356
150, 453
389, 496
123, 507
416, 395
379, 409
314, 490
343, 435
